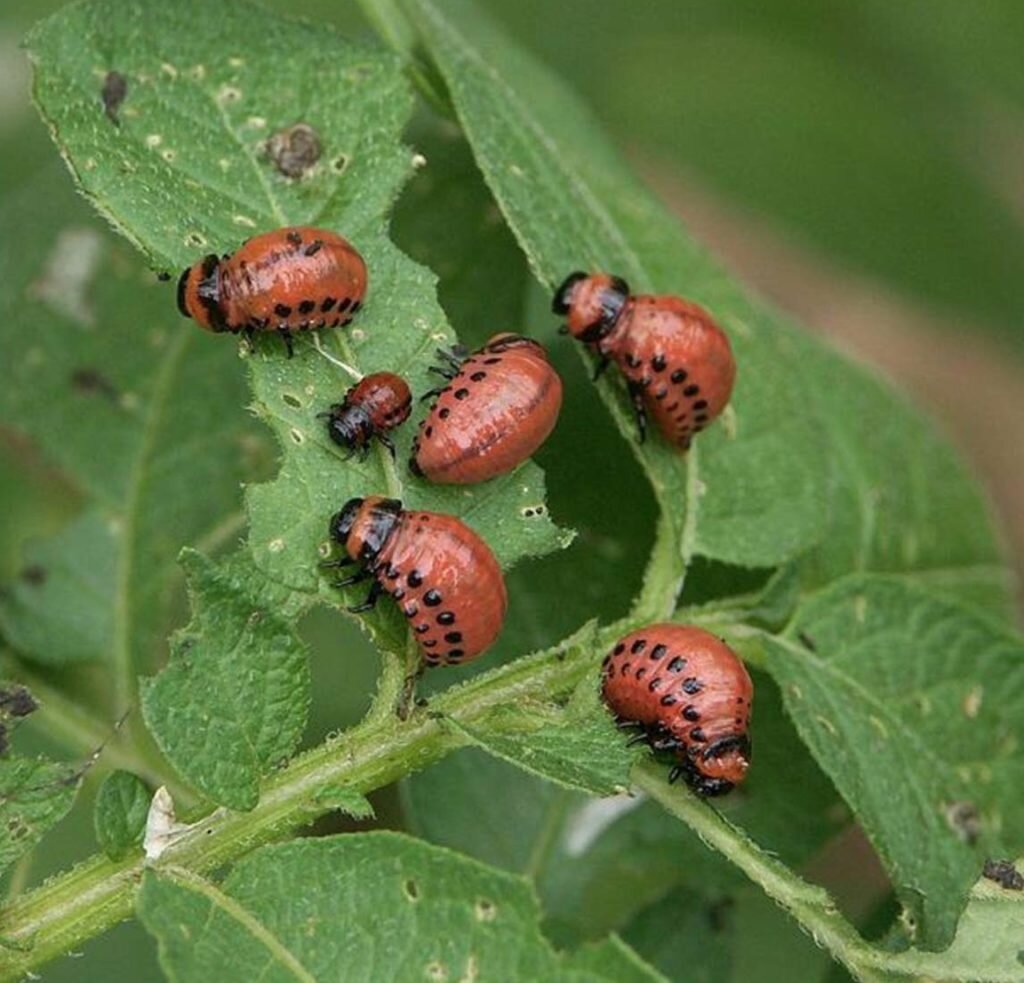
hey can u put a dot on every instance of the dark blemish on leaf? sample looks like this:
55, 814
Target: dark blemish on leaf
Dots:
17, 701
113, 93
291, 400
339, 164
1004, 873
411, 889
294, 150
92, 382
34, 575
806, 640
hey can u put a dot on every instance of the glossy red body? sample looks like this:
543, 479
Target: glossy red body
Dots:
376, 404
291, 279
691, 695
384, 397
499, 407
443, 575
669, 348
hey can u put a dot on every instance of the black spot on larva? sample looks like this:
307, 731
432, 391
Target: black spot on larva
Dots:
282, 310
478, 376
700, 418
605, 661
654, 683
661, 394
672, 407
428, 432
692, 685
444, 413
641, 672
392, 572
638, 646
294, 238
328, 303
306, 306
446, 618
678, 664
691, 390
356, 306
293, 150
491, 361
697, 734
701, 404
632, 361
739, 699
314, 247
398, 593
456, 654
411, 609
620, 648
658, 363
461, 393
415, 579
678, 376
343, 304
691, 713
429, 643
668, 700
453, 637
625, 668
421, 628
658, 651
432, 598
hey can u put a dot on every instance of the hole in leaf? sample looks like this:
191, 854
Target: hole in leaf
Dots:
411, 889
292, 400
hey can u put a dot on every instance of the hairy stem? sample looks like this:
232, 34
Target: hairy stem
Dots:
809, 904
94, 896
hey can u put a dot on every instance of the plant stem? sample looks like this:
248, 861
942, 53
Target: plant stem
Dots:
91, 898
809, 904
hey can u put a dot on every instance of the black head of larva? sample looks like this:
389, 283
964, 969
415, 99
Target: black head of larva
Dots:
342, 522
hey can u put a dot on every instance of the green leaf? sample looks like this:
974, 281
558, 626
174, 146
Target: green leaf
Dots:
122, 805
232, 702
750, 496
35, 795
134, 410
913, 706
372, 906
186, 173
987, 946
611, 960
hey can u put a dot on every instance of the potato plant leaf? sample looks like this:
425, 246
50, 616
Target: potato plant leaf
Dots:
35, 795
914, 706
369, 906
233, 700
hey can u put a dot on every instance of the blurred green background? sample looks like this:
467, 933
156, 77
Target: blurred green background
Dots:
860, 163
